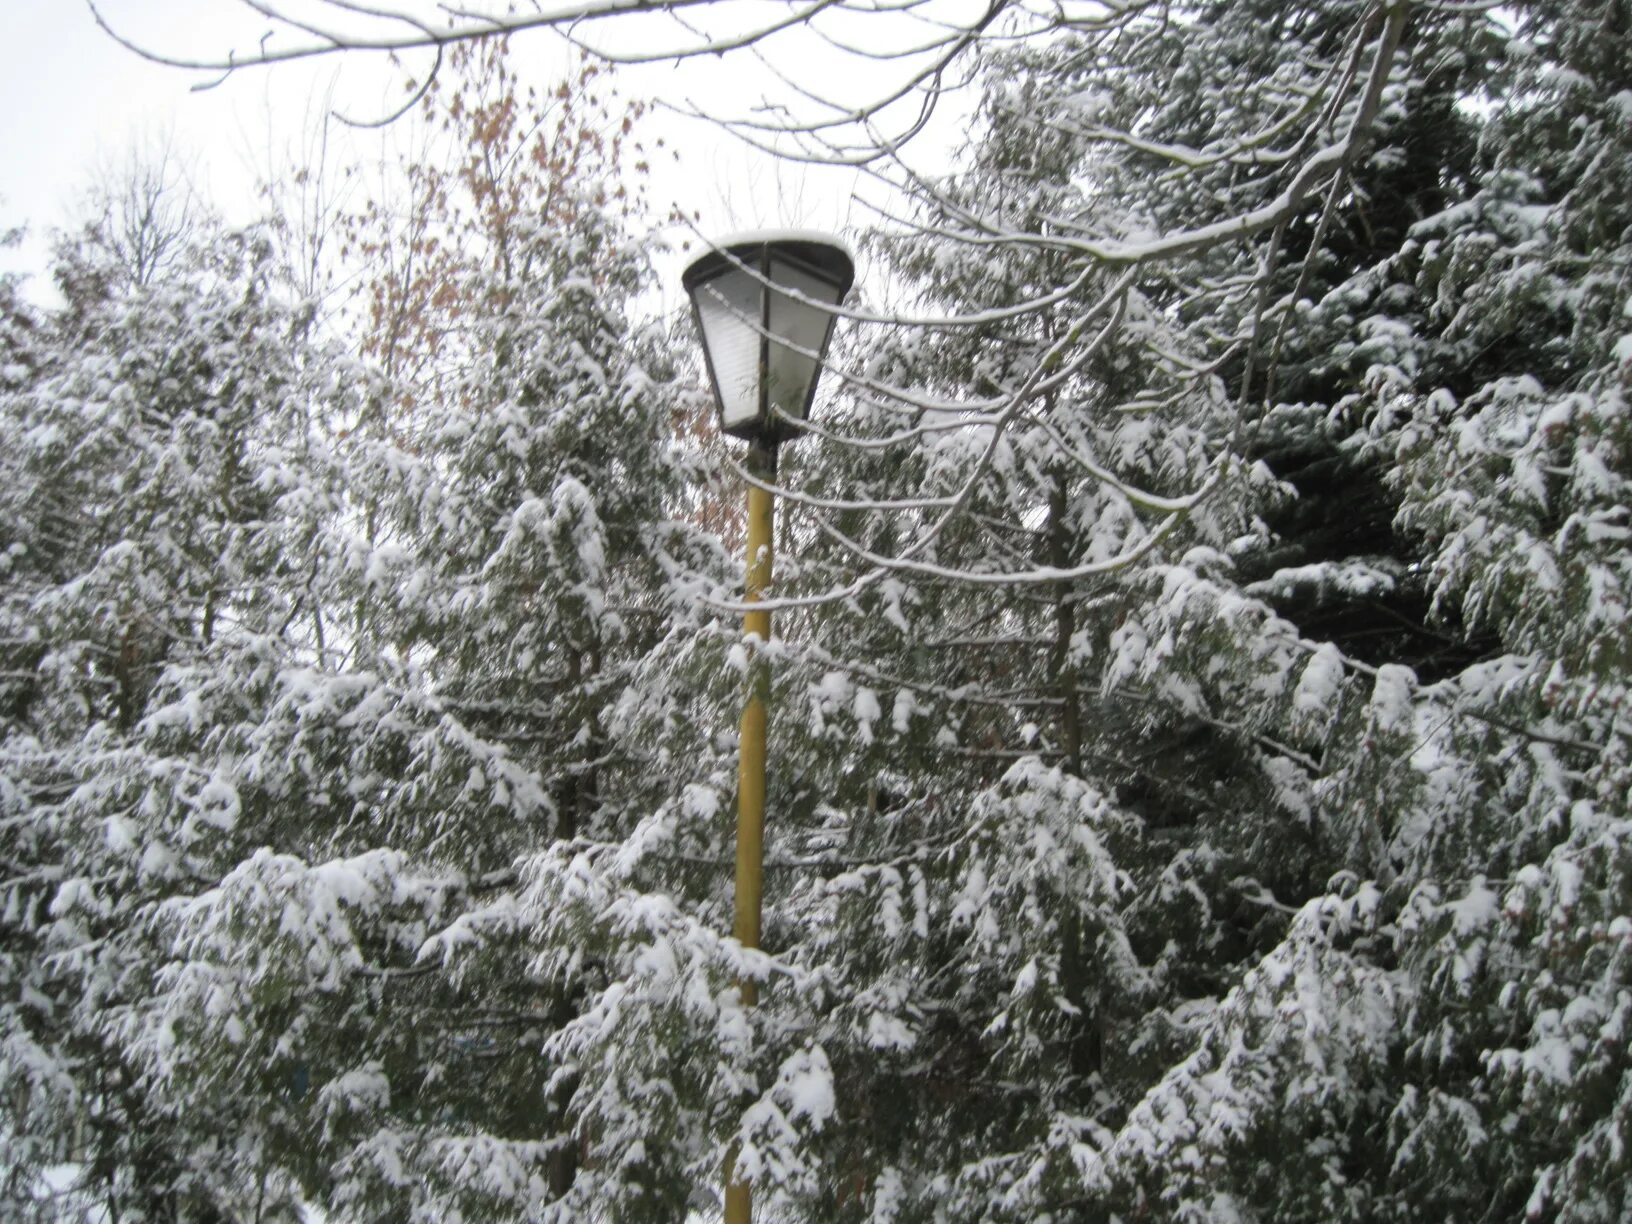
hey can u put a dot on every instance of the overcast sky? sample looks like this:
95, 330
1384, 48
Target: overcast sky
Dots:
74, 101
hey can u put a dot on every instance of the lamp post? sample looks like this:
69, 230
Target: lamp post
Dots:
763, 303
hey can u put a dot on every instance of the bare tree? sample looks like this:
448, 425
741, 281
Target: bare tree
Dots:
140, 210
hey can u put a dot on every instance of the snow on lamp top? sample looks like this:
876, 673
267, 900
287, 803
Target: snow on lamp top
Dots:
764, 306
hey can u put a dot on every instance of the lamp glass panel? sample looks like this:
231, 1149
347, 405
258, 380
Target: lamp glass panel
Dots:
804, 326
729, 307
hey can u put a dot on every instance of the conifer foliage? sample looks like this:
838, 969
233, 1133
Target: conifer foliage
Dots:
1201, 754
1288, 433
304, 649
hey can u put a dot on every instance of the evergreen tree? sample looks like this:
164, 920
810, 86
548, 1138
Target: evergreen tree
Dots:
1329, 712
482, 579
156, 433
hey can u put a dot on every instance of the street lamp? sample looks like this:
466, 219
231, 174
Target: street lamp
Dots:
764, 305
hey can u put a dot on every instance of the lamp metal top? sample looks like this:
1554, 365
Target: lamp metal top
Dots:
824, 254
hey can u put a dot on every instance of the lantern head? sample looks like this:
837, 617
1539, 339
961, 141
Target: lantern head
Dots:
764, 304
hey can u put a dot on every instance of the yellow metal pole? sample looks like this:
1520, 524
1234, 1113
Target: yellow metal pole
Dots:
751, 766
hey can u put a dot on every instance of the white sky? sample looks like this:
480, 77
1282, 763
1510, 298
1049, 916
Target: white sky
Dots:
76, 101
